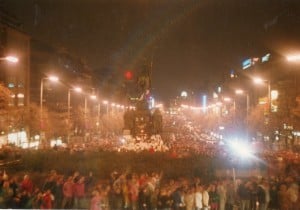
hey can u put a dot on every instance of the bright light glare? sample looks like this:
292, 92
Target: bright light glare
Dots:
274, 94
241, 149
258, 80
227, 99
239, 91
53, 78
293, 57
12, 59
78, 89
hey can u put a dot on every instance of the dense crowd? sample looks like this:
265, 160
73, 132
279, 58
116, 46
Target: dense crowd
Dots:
153, 191
147, 192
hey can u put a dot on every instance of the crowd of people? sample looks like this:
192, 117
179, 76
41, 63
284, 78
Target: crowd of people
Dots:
145, 191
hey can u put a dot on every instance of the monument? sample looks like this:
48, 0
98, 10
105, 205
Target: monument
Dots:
143, 121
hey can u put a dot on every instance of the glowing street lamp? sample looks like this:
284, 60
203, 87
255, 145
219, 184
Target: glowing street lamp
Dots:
242, 92
293, 58
52, 79
227, 99
106, 104
93, 97
75, 89
11, 59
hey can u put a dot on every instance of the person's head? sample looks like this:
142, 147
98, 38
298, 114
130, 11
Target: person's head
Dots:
283, 187
95, 193
26, 177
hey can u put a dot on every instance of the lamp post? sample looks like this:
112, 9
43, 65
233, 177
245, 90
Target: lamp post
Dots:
53, 79
242, 92
76, 89
259, 80
94, 97
106, 104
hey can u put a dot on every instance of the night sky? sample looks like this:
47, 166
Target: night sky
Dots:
193, 44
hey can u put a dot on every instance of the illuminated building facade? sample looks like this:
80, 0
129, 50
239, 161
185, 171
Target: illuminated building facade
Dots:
15, 76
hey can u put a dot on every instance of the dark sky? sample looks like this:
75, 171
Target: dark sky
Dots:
192, 43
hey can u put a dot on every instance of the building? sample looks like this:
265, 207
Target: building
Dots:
15, 76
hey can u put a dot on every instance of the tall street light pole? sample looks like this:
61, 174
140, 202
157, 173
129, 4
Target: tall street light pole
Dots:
94, 97
53, 79
106, 104
76, 89
242, 92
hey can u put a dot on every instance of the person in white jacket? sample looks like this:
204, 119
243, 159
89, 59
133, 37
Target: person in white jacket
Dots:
205, 198
198, 198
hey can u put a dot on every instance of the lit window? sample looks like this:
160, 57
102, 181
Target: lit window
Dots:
20, 95
11, 85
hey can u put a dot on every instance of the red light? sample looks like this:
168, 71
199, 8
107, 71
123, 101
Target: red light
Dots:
128, 75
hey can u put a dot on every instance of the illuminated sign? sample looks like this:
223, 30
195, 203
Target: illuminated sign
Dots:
247, 63
265, 58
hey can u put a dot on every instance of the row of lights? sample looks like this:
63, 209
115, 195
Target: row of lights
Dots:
79, 90
256, 80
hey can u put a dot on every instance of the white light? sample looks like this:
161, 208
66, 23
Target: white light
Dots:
105, 102
12, 59
227, 99
78, 89
20, 95
242, 149
215, 95
53, 78
239, 91
293, 58
93, 97
274, 94
258, 80
122, 140
184, 94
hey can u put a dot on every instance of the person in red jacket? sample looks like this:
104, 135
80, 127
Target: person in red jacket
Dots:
26, 184
47, 200
79, 193
67, 193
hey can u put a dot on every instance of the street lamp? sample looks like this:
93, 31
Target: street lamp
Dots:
258, 80
293, 58
93, 97
11, 59
75, 89
242, 92
53, 79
